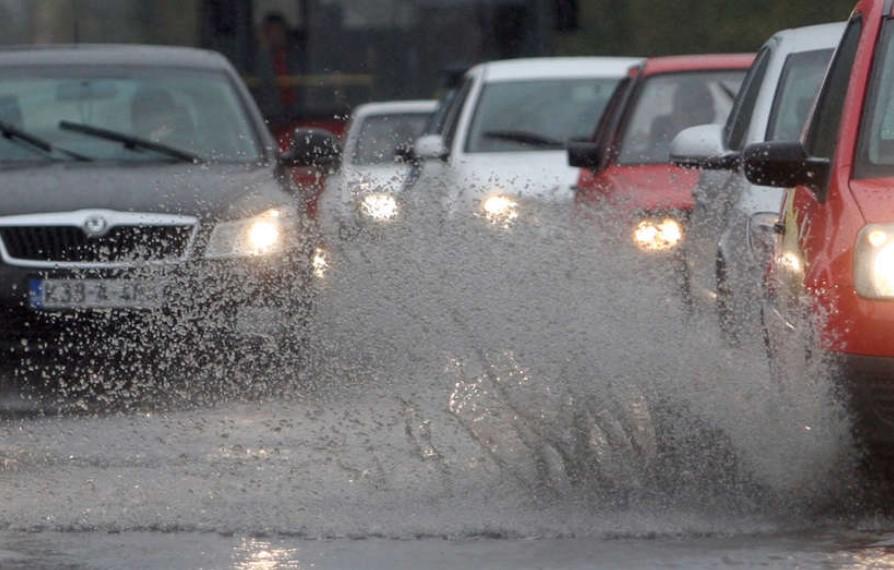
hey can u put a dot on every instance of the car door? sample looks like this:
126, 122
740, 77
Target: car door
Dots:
717, 190
804, 219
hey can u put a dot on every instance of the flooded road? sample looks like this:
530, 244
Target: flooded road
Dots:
504, 408
152, 551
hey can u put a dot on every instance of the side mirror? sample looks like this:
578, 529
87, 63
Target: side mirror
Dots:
430, 147
313, 148
404, 153
783, 165
702, 148
584, 154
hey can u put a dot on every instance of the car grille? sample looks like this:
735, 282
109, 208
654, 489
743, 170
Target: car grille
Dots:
121, 244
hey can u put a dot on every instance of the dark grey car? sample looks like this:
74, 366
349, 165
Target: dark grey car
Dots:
140, 185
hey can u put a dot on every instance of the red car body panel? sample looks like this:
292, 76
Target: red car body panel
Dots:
659, 187
828, 229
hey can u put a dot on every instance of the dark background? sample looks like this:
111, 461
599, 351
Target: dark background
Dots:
347, 52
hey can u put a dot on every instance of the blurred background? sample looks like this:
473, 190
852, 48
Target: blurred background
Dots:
312, 59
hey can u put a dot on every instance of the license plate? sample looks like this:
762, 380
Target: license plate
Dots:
95, 294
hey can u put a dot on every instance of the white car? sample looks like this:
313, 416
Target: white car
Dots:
733, 220
503, 136
363, 189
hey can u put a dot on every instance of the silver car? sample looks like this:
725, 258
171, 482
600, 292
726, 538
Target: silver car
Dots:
733, 220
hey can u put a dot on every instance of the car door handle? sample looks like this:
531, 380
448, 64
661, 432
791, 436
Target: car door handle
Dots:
779, 228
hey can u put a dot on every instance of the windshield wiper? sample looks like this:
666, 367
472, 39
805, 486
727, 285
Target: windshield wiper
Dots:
729, 91
14, 133
525, 138
131, 142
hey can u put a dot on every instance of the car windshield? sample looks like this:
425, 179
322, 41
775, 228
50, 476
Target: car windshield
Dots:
876, 150
670, 103
519, 116
381, 135
192, 111
800, 82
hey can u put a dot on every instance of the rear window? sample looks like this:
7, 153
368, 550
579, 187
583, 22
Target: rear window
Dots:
671, 103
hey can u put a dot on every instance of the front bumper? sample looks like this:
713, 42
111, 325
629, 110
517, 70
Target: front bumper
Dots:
205, 296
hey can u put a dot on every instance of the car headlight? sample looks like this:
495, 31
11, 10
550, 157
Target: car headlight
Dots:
874, 262
250, 237
500, 209
380, 207
658, 235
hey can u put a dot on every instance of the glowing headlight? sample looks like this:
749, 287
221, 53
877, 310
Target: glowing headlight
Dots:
380, 207
260, 235
658, 235
500, 209
874, 262
320, 262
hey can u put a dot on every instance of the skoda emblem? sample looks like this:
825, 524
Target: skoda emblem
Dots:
95, 226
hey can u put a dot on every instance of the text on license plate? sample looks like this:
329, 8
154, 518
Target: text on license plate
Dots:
94, 293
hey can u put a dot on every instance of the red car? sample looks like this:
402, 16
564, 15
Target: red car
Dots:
627, 164
832, 277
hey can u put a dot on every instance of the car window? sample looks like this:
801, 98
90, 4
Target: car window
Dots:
876, 149
800, 81
823, 136
455, 111
518, 116
743, 109
381, 135
671, 103
196, 111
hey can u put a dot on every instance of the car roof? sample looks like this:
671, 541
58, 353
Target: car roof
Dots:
131, 55
554, 68
395, 107
685, 63
811, 37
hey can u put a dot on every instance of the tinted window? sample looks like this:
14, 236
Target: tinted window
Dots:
740, 117
801, 78
380, 135
824, 131
517, 116
876, 150
195, 111
672, 103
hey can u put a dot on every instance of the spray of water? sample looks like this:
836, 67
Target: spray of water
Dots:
457, 377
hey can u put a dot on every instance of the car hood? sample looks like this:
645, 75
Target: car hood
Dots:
649, 187
543, 176
875, 199
205, 191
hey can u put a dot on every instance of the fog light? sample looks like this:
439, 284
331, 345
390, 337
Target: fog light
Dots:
320, 263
